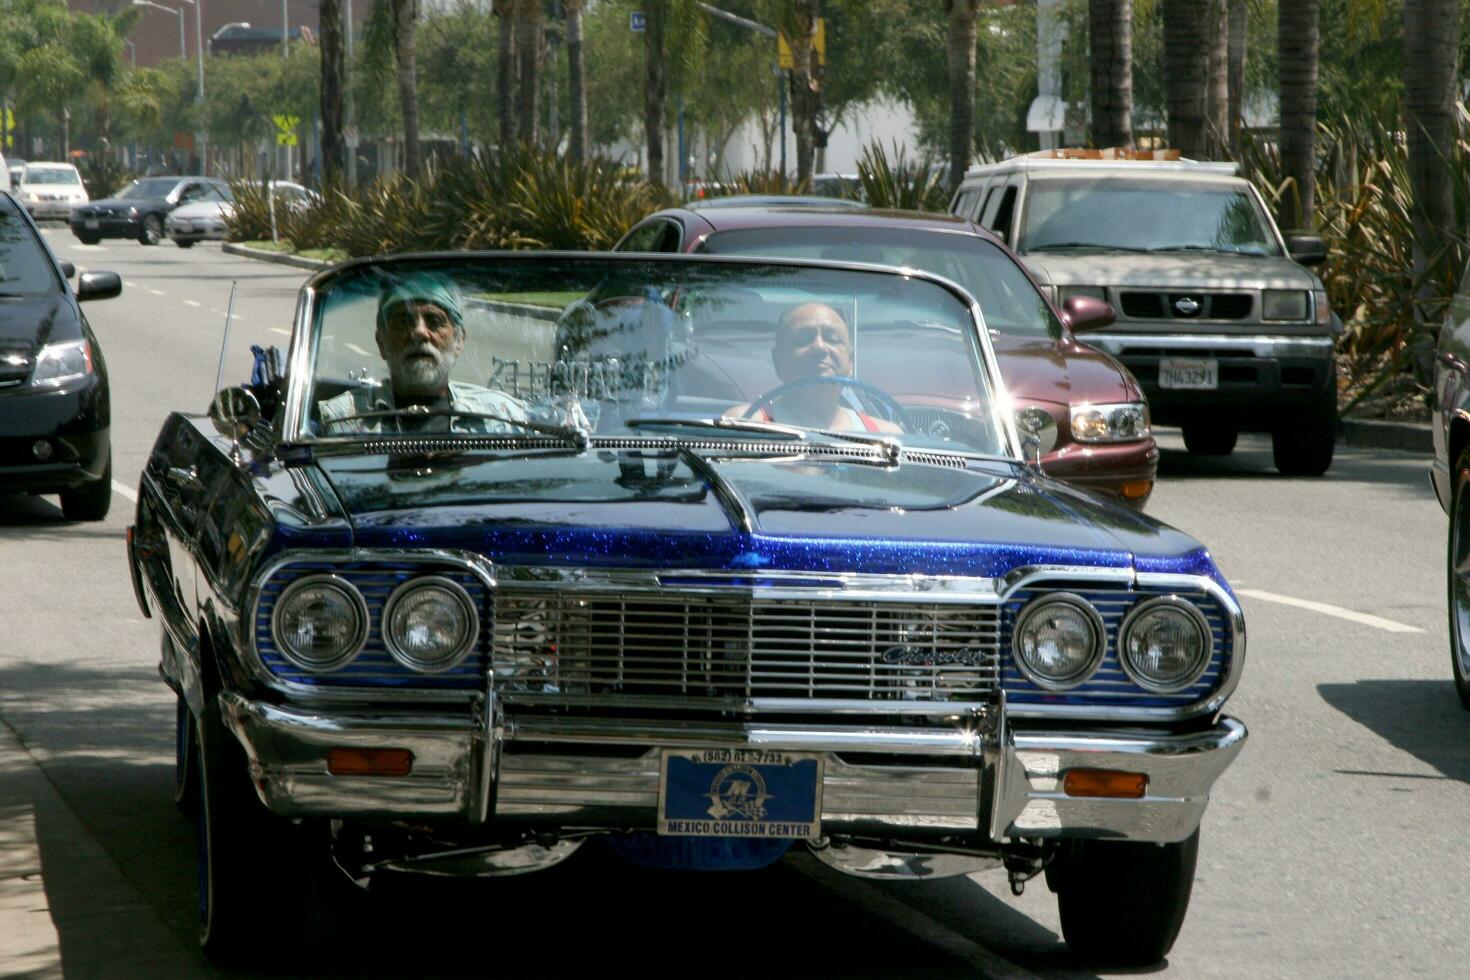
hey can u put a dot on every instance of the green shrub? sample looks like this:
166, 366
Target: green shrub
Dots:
899, 182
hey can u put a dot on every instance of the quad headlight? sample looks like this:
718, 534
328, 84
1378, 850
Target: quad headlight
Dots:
1121, 422
320, 622
430, 624
1284, 304
1165, 645
1059, 640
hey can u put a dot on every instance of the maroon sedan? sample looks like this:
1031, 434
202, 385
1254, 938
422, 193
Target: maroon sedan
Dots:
1087, 410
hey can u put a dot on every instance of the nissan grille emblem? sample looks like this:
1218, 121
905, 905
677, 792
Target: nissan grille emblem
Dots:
917, 657
1187, 305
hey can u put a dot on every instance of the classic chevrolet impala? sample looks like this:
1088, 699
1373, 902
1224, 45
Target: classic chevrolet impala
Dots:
512, 554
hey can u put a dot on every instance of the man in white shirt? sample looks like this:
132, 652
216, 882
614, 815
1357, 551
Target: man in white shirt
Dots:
420, 334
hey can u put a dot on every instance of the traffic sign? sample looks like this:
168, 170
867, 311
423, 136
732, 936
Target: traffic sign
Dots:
819, 46
286, 129
635, 21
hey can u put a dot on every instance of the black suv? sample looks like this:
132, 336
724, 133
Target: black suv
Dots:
54, 412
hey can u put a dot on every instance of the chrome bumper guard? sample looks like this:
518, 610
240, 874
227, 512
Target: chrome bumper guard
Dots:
979, 777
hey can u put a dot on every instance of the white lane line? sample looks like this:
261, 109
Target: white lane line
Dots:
357, 350
283, 333
1377, 622
130, 284
238, 316
123, 490
193, 303
155, 292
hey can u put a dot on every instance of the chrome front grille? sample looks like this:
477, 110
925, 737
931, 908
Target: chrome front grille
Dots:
571, 646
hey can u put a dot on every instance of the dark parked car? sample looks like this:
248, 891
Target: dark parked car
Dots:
1450, 472
502, 560
54, 410
138, 210
1090, 417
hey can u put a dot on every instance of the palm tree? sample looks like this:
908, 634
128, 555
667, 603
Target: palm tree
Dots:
505, 70
405, 31
1184, 75
1236, 29
655, 85
961, 87
1111, 30
576, 81
334, 146
530, 29
1217, 77
1431, 33
1298, 27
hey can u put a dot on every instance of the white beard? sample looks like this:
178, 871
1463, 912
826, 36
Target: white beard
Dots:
422, 377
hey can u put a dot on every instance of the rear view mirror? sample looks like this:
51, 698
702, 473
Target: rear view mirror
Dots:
67, 269
98, 285
1087, 313
1307, 249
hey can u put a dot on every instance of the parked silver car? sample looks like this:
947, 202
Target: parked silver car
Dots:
1217, 315
204, 219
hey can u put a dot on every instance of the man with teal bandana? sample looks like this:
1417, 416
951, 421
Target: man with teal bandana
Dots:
420, 334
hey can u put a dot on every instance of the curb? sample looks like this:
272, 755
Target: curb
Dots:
280, 258
1413, 437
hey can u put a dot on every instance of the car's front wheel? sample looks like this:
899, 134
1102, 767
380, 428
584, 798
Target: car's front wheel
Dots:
90, 501
1123, 902
152, 231
185, 242
1459, 578
1302, 444
87, 239
1210, 438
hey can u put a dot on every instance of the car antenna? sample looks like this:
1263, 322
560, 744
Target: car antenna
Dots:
224, 345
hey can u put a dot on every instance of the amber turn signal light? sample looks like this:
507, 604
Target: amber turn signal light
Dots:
369, 762
1137, 488
1105, 782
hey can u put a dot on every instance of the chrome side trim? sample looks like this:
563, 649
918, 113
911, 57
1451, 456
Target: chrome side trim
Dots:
482, 862
298, 364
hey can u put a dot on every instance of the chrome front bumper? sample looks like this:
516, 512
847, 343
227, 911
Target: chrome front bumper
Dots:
978, 778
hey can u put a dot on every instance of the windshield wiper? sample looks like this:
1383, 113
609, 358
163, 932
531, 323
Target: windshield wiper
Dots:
1203, 248
723, 423
1051, 246
580, 438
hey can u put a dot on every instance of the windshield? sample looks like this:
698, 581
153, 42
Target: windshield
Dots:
1149, 215
1010, 301
667, 348
49, 175
24, 268
149, 187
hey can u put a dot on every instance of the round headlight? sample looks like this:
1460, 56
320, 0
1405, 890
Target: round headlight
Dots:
320, 622
1059, 641
1165, 644
1037, 421
430, 623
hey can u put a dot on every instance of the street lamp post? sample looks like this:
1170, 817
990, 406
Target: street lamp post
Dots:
177, 13
198, 6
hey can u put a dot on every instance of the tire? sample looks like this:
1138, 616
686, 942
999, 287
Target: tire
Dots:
152, 232
1458, 577
186, 768
90, 501
1302, 445
1210, 438
88, 239
186, 242
1123, 902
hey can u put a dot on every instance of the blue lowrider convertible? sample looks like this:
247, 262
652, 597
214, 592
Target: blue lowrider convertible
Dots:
515, 553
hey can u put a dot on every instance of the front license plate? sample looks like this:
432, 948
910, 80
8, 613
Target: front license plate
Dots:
92, 223
1202, 374
739, 793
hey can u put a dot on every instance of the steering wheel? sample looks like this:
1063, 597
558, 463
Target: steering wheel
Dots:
891, 408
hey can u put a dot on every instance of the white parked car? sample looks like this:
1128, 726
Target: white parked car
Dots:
204, 219
49, 190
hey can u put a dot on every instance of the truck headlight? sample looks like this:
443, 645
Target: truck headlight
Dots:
1165, 645
60, 363
1284, 304
430, 624
320, 622
1058, 641
1120, 422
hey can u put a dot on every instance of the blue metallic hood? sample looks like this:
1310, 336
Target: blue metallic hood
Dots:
665, 510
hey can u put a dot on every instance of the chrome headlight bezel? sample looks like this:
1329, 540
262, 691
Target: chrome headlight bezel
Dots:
359, 635
1099, 641
1286, 305
466, 642
1190, 612
1110, 422
1047, 431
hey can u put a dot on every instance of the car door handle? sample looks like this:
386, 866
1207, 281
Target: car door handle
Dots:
185, 478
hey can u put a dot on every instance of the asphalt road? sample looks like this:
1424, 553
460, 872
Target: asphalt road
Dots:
1331, 848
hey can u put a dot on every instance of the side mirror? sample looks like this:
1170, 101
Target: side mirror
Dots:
234, 412
1087, 313
1307, 249
98, 285
67, 269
